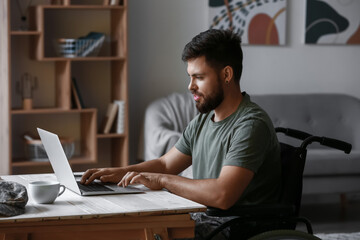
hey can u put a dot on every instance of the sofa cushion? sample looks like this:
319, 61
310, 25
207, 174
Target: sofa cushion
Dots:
335, 184
331, 115
331, 162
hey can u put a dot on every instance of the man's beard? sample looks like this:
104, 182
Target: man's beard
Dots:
212, 101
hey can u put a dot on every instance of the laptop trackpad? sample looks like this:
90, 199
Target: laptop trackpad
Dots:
128, 189
112, 186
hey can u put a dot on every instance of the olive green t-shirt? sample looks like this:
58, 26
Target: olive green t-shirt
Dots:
246, 139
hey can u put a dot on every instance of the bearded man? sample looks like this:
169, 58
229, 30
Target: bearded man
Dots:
231, 144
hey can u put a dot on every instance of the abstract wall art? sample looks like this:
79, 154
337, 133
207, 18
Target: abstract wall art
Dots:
332, 22
260, 22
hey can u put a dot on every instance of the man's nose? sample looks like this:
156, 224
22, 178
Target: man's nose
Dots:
192, 85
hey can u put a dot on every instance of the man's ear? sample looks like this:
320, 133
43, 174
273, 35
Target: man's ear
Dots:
228, 74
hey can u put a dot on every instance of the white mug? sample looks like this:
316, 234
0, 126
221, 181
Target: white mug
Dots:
45, 191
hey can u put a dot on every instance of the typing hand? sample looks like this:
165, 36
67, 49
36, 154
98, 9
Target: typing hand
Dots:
150, 180
113, 175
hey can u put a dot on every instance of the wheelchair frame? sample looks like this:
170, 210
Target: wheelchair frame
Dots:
281, 218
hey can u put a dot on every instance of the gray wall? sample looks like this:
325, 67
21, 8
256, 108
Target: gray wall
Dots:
159, 29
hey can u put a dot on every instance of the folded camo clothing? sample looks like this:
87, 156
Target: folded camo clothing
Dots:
13, 198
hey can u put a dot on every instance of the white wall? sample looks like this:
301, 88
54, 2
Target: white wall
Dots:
300, 68
159, 29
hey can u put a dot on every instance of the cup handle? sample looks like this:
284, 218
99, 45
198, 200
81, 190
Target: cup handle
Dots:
62, 191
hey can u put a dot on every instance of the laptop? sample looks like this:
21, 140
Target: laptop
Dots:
65, 175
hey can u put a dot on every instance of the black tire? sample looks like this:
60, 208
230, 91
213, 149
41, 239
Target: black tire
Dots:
284, 235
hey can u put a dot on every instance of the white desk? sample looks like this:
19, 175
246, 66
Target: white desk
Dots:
128, 216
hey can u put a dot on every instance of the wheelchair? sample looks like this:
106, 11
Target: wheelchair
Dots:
278, 221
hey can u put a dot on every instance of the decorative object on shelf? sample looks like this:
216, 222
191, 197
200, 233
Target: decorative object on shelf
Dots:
23, 6
89, 45
257, 22
332, 22
120, 123
35, 150
114, 2
25, 87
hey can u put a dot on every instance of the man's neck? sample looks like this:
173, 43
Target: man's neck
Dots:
230, 104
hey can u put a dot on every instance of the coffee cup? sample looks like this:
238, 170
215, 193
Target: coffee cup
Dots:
45, 191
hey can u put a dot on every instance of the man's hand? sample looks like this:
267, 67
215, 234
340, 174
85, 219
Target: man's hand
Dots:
113, 175
150, 180
172, 162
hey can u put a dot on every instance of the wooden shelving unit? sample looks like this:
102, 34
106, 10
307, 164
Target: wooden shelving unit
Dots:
101, 79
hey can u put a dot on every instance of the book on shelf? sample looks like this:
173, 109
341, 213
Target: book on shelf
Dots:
109, 118
120, 120
77, 99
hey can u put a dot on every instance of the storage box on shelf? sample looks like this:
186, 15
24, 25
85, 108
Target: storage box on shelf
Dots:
35, 150
89, 45
101, 77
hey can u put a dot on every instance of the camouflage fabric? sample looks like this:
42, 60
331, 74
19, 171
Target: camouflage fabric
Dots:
205, 224
13, 198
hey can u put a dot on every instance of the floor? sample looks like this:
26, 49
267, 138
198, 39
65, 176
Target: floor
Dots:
329, 217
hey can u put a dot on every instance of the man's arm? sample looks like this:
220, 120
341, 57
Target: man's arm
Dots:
160, 173
222, 192
172, 162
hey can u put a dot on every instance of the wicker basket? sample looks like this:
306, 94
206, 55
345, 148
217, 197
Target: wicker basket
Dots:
35, 151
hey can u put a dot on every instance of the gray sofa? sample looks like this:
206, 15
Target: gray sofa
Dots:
331, 115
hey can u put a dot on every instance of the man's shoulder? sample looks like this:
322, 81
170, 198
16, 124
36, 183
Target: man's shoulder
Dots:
200, 119
252, 114
252, 111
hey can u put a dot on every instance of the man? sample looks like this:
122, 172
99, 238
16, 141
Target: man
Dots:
231, 144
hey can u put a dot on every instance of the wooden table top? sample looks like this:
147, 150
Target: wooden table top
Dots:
73, 206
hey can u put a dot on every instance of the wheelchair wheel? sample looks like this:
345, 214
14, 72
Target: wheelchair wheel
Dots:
285, 235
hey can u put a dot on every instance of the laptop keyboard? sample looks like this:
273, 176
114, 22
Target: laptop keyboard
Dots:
94, 187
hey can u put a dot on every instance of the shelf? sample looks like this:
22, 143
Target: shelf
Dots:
29, 163
24, 33
110, 135
54, 59
51, 111
83, 7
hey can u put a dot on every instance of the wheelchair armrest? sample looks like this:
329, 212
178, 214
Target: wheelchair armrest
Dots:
254, 211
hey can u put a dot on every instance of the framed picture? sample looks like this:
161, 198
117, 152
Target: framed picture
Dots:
260, 22
332, 22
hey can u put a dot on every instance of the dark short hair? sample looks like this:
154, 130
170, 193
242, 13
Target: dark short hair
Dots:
221, 48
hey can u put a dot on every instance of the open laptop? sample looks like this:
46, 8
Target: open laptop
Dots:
65, 175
